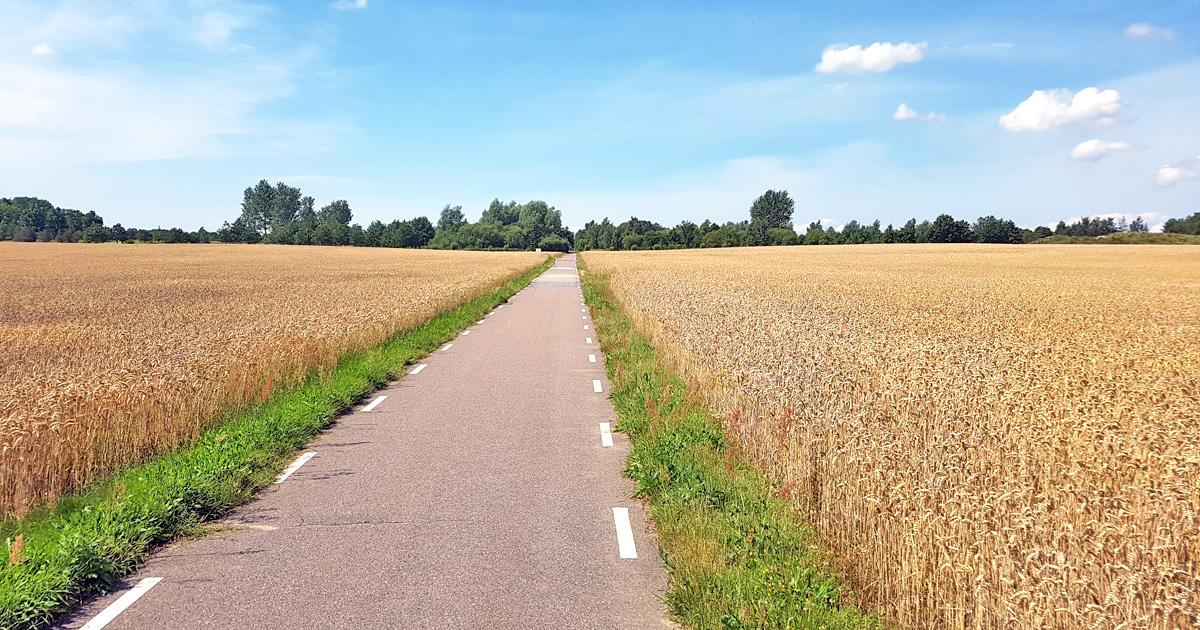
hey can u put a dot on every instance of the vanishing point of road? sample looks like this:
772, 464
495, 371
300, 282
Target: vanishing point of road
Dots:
483, 490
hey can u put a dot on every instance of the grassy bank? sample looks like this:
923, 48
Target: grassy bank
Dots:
1124, 238
739, 555
85, 543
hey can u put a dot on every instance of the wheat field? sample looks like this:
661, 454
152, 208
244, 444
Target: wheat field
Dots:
112, 353
985, 436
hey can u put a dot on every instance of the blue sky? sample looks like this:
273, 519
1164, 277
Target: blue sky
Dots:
154, 112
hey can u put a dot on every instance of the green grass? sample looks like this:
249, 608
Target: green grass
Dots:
1124, 238
739, 557
85, 543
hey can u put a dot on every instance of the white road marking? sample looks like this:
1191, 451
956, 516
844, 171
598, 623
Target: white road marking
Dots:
587, 340
447, 347
417, 369
583, 310
596, 386
585, 316
591, 358
466, 332
287, 472
119, 606
624, 533
605, 434
479, 322
374, 403
585, 327
501, 306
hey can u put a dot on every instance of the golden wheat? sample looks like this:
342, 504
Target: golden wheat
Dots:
987, 436
112, 353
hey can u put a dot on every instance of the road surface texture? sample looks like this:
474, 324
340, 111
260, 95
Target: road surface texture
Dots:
477, 495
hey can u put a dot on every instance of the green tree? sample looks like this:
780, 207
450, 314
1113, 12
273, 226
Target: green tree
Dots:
1189, 225
946, 230
335, 212
773, 209
989, 229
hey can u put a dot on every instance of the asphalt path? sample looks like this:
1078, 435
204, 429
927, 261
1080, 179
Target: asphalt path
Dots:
478, 494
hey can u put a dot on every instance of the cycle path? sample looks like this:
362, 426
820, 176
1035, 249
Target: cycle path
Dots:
479, 493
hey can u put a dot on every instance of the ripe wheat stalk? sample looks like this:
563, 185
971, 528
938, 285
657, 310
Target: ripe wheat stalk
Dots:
988, 437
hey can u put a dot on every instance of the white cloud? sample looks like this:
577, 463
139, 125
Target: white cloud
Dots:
1144, 29
1093, 150
1176, 172
878, 57
1047, 109
42, 49
343, 5
904, 112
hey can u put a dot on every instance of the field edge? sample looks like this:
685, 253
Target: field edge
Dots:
739, 556
87, 542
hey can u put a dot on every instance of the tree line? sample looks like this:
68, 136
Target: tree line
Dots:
770, 223
281, 214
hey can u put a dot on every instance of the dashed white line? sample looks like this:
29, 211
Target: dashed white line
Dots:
418, 369
585, 327
605, 434
374, 403
119, 606
624, 533
591, 358
466, 332
447, 347
587, 340
583, 310
287, 472
585, 316
479, 322
597, 387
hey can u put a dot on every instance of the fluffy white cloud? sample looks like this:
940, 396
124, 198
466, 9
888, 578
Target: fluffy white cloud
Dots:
904, 112
878, 57
1047, 109
1093, 150
343, 5
1181, 171
42, 49
1144, 29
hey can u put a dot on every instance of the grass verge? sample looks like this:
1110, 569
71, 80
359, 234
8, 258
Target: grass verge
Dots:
86, 543
739, 557
1124, 238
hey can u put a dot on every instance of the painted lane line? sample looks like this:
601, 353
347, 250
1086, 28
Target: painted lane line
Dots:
479, 322
501, 306
591, 358
587, 340
466, 332
374, 403
585, 327
583, 310
119, 606
447, 347
287, 472
418, 369
585, 316
605, 434
624, 533
597, 387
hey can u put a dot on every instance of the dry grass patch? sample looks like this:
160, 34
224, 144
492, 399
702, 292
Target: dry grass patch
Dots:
988, 436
